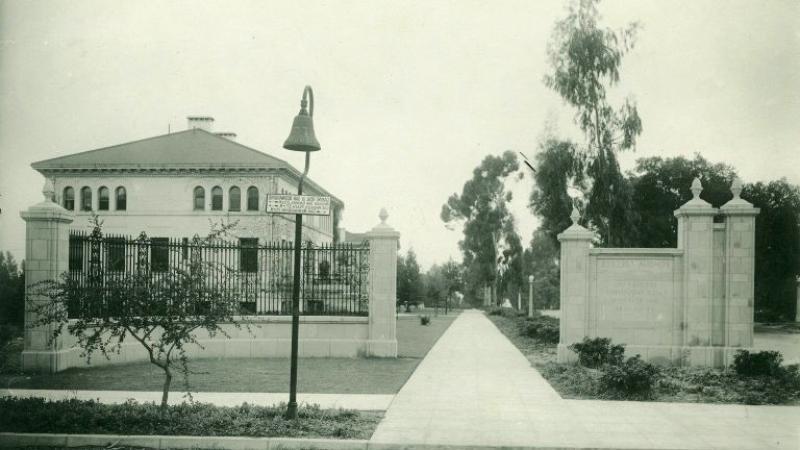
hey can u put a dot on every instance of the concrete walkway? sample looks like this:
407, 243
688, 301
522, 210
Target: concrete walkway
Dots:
365, 402
475, 388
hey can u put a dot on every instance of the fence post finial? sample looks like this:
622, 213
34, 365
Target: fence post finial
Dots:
383, 215
736, 188
697, 187
49, 190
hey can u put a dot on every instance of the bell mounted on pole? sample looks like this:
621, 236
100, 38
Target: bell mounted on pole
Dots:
302, 137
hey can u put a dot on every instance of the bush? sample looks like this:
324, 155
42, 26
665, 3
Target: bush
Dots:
632, 380
766, 363
505, 312
598, 351
542, 329
35, 415
424, 320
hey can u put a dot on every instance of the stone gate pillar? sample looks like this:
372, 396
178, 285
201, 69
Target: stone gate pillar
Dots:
46, 258
695, 237
740, 221
574, 324
383, 240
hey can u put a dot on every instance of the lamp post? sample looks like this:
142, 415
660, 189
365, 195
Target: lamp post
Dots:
301, 139
530, 295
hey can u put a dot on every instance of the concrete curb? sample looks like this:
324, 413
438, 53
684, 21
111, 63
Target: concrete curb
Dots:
12, 440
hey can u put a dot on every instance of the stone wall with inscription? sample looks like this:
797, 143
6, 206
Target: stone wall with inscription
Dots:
687, 305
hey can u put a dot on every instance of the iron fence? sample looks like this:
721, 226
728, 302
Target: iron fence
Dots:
257, 278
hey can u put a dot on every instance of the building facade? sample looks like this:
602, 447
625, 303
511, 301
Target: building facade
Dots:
180, 184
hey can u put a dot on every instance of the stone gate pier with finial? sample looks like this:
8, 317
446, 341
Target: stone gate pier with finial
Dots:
690, 305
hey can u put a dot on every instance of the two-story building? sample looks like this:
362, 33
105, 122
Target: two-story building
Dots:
178, 184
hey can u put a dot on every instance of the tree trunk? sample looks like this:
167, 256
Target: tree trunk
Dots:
165, 393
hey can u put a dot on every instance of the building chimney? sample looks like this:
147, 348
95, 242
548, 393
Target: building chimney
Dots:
227, 135
202, 122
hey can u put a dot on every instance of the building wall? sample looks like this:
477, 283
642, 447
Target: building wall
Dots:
162, 205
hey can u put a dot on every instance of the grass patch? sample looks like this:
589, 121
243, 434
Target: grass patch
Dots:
317, 375
673, 384
32, 415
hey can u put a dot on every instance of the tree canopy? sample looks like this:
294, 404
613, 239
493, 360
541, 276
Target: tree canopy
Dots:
490, 244
585, 60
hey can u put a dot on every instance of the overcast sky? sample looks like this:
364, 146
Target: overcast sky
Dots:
410, 96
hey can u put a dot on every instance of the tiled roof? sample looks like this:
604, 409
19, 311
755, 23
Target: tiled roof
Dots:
193, 148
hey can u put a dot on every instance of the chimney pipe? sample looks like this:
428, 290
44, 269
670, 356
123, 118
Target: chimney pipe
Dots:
227, 135
202, 122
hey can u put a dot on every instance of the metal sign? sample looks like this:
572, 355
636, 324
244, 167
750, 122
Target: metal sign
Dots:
309, 205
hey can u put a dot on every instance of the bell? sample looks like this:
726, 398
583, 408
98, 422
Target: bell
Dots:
302, 138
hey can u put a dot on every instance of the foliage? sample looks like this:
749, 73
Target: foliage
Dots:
503, 311
596, 352
425, 320
541, 261
11, 343
634, 379
491, 247
35, 415
542, 328
585, 60
442, 281
12, 291
662, 185
572, 380
409, 279
777, 258
764, 363
559, 166
162, 314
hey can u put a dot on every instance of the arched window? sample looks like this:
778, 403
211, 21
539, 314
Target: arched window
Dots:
234, 199
199, 198
86, 198
102, 199
252, 198
216, 198
122, 199
69, 198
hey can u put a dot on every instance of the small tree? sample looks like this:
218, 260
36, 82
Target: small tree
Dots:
162, 313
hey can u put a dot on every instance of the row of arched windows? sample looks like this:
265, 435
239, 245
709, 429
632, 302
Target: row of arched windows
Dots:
103, 199
234, 199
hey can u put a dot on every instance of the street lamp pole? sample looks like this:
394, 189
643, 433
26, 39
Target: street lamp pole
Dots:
303, 139
530, 295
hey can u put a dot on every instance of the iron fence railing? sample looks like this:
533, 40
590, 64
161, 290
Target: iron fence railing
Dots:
255, 277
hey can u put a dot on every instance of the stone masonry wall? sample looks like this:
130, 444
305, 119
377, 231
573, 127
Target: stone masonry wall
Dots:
689, 305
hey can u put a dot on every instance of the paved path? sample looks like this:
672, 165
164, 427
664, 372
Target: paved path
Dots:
475, 388
347, 401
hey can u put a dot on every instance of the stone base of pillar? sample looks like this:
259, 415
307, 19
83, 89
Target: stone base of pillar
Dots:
46, 361
382, 349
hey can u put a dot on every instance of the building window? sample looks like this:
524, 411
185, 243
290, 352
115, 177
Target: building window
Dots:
252, 198
122, 199
248, 254
115, 254
199, 198
159, 256
86, 198
102, 199
69, 198
234, 199
216, 198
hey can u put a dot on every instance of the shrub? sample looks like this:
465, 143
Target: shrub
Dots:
424, 320
598, 351
766, 363
634, 379
505, 312
544, 330
35, 415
